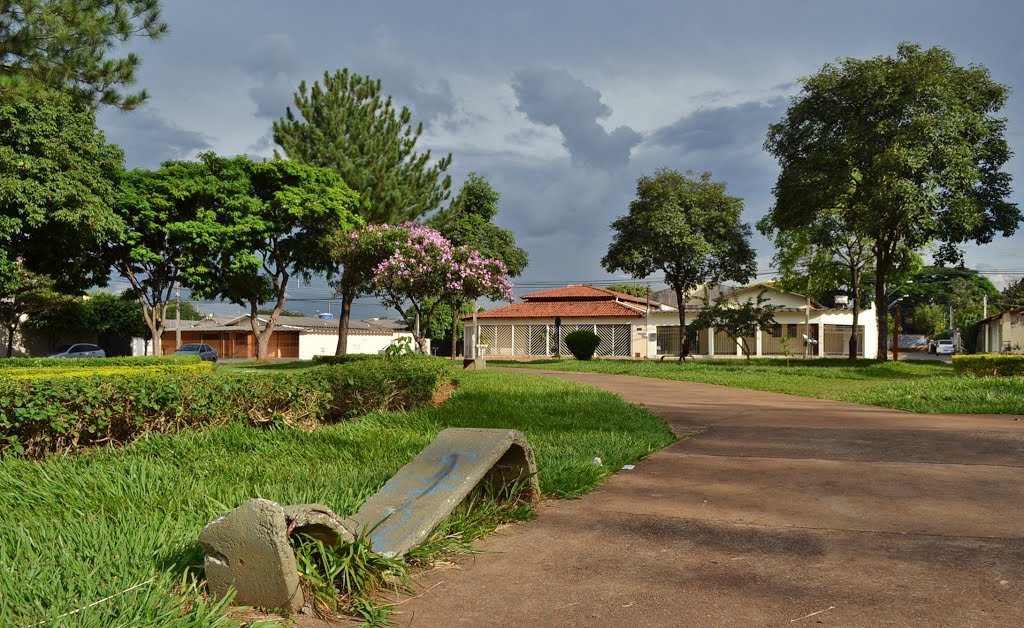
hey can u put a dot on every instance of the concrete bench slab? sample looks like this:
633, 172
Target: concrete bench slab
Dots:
248, 548
425, 491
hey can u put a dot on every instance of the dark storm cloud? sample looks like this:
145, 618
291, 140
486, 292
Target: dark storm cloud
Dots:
556, 98
721, 128
149, 139
273, 64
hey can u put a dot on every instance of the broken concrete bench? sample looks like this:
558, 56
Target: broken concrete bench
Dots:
248, 548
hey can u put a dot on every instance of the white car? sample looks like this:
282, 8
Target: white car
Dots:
80, 350
945, 347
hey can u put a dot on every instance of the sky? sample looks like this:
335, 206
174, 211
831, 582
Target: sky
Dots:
561, 106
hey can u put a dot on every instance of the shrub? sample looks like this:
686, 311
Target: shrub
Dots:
56, 415
68, 363
196, 367
984, 364
341, 359
582, 343
378, 383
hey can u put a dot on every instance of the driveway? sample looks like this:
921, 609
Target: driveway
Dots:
779, 511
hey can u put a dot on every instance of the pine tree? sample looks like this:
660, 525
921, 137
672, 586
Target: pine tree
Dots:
348, 125
64, 45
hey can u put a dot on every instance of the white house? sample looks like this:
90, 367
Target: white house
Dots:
1002, 332
641, 327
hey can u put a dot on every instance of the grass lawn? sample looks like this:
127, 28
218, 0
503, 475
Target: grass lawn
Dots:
915, 386
122, 524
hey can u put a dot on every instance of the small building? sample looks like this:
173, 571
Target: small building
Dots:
642, 327
1002, 332
294, 337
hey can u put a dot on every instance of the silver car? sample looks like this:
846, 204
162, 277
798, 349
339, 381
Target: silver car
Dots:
79, 350
204, 351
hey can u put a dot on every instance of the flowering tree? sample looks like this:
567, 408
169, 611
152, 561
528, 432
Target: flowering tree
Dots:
414, 268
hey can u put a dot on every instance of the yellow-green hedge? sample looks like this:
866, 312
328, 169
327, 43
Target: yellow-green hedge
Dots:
57, 372
989, 364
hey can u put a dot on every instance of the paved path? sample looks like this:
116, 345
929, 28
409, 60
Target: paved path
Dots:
781, 511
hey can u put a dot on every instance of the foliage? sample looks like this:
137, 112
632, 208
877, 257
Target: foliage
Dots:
106, 370
267, 312
114, 315
147, 502
267, 222
98, 313
907, 148
399, 347
582, 343
469, 222
91, 363
740, 320
424, 269
687, 227
925, 386
631, 289
1011, 296
352, 572
59, 177
189, 311
994, 365
347, 124
65, 45
929, 319
22, 294
159, 208
60, 414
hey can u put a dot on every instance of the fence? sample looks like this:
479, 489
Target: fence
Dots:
837, 340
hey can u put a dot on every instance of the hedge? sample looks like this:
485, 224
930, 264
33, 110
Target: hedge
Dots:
149, 360
989, 364
57, 372
61, 415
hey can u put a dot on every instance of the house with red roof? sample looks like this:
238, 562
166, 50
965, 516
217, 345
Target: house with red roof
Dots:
648, 327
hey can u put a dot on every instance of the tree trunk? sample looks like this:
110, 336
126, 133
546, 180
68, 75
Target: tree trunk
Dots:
882, 313
347, 297
855, 280
10, 340
456, 310
683, 336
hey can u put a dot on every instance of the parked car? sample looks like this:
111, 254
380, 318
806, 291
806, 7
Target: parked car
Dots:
204, 351
79, 350
945, 347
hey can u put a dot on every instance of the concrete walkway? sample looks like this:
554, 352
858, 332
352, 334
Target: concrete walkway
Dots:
781, 511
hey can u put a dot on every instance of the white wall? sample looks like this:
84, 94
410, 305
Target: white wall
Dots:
319, 343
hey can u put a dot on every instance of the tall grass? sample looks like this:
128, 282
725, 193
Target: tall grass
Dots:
120, 526
915, 386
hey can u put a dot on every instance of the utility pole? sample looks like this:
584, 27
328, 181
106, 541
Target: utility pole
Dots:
896, 334
984, 315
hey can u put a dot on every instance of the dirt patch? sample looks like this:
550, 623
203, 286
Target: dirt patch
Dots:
442, 393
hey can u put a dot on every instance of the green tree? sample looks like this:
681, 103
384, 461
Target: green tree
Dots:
347, 124
265, 223
632, 289
908, 148
65, 45
687, 227
1011, 296
740, 320
469, 222
114, 315
58, 179
189, 311
158, 209
264, 311
22, 295
929, 318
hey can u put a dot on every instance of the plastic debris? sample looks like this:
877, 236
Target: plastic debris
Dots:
628, 467
597, 462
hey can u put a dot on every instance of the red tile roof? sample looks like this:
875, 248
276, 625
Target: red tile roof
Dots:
582, 292
564, 309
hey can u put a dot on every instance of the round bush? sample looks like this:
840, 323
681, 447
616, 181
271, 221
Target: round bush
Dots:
582, 344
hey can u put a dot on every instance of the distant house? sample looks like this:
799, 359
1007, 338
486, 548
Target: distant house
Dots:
641, 327
1002, 332
294, 337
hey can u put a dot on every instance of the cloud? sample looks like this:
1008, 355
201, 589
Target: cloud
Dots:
273, 65
430, 99
721, 128
149, 139
556, 98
